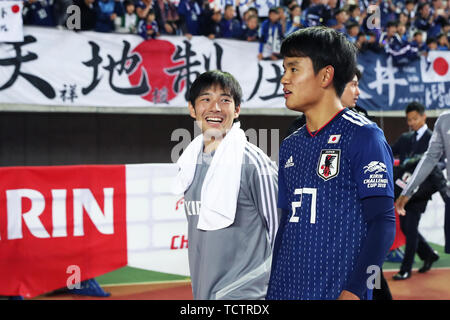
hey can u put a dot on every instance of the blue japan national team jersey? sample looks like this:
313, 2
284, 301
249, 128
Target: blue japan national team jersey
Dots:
323, 177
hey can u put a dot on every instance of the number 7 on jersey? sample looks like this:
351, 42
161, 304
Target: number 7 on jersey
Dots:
298, 204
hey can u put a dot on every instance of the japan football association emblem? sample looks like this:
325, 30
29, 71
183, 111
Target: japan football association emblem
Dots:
329, 161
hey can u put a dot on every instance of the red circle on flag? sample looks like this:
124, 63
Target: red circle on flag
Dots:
15, 8
334, 139
440, 66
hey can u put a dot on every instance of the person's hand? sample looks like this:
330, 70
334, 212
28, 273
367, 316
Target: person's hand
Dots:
260, 56
113, 16
347, 295
189, 36
168, 28
400, 205
211, 36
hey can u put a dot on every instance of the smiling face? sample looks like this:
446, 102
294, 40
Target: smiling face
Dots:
214, 111
301, 86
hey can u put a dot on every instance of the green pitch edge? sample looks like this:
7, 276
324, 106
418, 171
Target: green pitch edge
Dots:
129, 275
443, 262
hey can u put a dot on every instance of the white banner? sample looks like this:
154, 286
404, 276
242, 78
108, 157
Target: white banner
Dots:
61, 67
11, 25
156, 222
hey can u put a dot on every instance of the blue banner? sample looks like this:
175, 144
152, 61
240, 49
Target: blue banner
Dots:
386, 87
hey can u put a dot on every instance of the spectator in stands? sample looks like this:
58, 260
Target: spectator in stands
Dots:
229, 25
418, 42
318, 13
401, 31
294, 22
410, 9
148, 28
354, 13
431, 44
446, 29
39, 13
250, 33
403, 19
212, 23
341, 17
442, 42
437, 9
390, 36
143, 7
270, 37
107, 11
191, 15
352, 31
387, 12
332, 5
402, 52
283, 18
371, 42
167, 17
128, 22
361, 41
88, 15
242, 11
424, 19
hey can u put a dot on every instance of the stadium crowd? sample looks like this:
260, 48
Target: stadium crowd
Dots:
404, 29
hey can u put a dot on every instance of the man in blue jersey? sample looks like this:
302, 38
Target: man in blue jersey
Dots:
335, 180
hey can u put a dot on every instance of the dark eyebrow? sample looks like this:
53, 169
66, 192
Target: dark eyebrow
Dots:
291, 63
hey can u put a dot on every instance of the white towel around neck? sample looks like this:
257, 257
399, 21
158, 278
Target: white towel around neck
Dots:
221, 185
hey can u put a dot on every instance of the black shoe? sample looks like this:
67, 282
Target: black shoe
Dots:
428, 262
402, 276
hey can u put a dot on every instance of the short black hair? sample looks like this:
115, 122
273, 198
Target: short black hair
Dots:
392, 23
351, 24
273, 10
358, 73
324, 46
352, 8
212, 78
415, 106
421, 6
431, 40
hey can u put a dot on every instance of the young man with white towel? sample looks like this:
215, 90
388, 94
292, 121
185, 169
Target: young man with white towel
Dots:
230, 190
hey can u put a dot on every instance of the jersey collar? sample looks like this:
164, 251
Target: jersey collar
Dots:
314, 133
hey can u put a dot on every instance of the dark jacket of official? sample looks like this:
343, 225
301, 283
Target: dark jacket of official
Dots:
410, 152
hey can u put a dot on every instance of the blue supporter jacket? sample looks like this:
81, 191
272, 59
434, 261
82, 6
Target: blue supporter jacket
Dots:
104, 9
191, 14
39, 13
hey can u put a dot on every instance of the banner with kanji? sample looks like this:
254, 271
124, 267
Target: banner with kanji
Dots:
54, 67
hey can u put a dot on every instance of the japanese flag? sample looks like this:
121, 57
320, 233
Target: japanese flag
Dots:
11, 24
436, 67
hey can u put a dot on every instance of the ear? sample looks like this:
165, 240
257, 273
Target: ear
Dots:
192, 110
326, 76
237, 110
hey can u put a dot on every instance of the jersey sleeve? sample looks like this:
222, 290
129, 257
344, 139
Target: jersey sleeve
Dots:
372, 163
283, 202
263, 188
